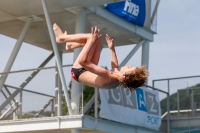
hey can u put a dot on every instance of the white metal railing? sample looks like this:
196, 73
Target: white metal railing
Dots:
176, 111
38, 93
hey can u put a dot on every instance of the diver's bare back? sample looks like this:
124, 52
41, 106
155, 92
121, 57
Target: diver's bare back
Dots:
109, 81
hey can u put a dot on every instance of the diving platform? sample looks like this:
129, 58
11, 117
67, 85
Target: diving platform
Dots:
182, 125
36, 101
64, 12
64, 125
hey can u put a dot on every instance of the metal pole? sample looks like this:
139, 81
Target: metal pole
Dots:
96, 103
35, 72
76, 86
168, 109
52, 107
82, 99
153, 83
17, 88
133, 51
88, 105
55, 49
145, 55
15, 113
178, 104
195, 109
43, 108
6, 97
58, 91
147, 22
154, 11
20, 108
15, 51
156, 89
9, 109
192, 103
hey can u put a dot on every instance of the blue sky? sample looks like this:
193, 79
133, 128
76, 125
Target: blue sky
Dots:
175, 51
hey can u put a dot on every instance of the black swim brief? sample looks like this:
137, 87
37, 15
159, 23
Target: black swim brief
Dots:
76, 72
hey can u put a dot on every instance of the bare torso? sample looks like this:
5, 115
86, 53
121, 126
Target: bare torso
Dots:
107, 82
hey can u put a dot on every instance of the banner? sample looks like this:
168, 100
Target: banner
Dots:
140, 107
133, 11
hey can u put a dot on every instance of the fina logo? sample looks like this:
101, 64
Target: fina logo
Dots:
131, 8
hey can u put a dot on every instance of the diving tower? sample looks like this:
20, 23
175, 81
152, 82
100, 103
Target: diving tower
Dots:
31, 22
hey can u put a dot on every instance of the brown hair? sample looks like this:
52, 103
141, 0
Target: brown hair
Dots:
135, 78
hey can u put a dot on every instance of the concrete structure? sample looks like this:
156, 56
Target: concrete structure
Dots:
75, 16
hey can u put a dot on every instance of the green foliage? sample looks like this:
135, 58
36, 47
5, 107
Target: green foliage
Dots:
64, 106
28, 115
88, 92
184, 99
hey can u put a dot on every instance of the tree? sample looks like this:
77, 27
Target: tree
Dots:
184, 99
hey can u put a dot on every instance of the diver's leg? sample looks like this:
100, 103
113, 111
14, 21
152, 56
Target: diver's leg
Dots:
61, 37
95, 52
90, 49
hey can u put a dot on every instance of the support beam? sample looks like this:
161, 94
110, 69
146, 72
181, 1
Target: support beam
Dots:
52, 107
5, 96
16, 112
34, 92
145, 56
16, 107
140, 31
168, 109
9, 109
6, 88
96, 103
20, 102
133, 51
58, 91
76, 86
192, 102
15, 51
178, 104
25, 83
88, 105
55, 49
147, 22
155, 10
42, 110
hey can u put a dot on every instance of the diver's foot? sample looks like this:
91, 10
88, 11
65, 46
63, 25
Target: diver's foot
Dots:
58, 33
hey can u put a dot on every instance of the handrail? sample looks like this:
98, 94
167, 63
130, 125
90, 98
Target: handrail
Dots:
176, 111
156, 89
40, 68
30, 91
42, 110
176, 78
12, 107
